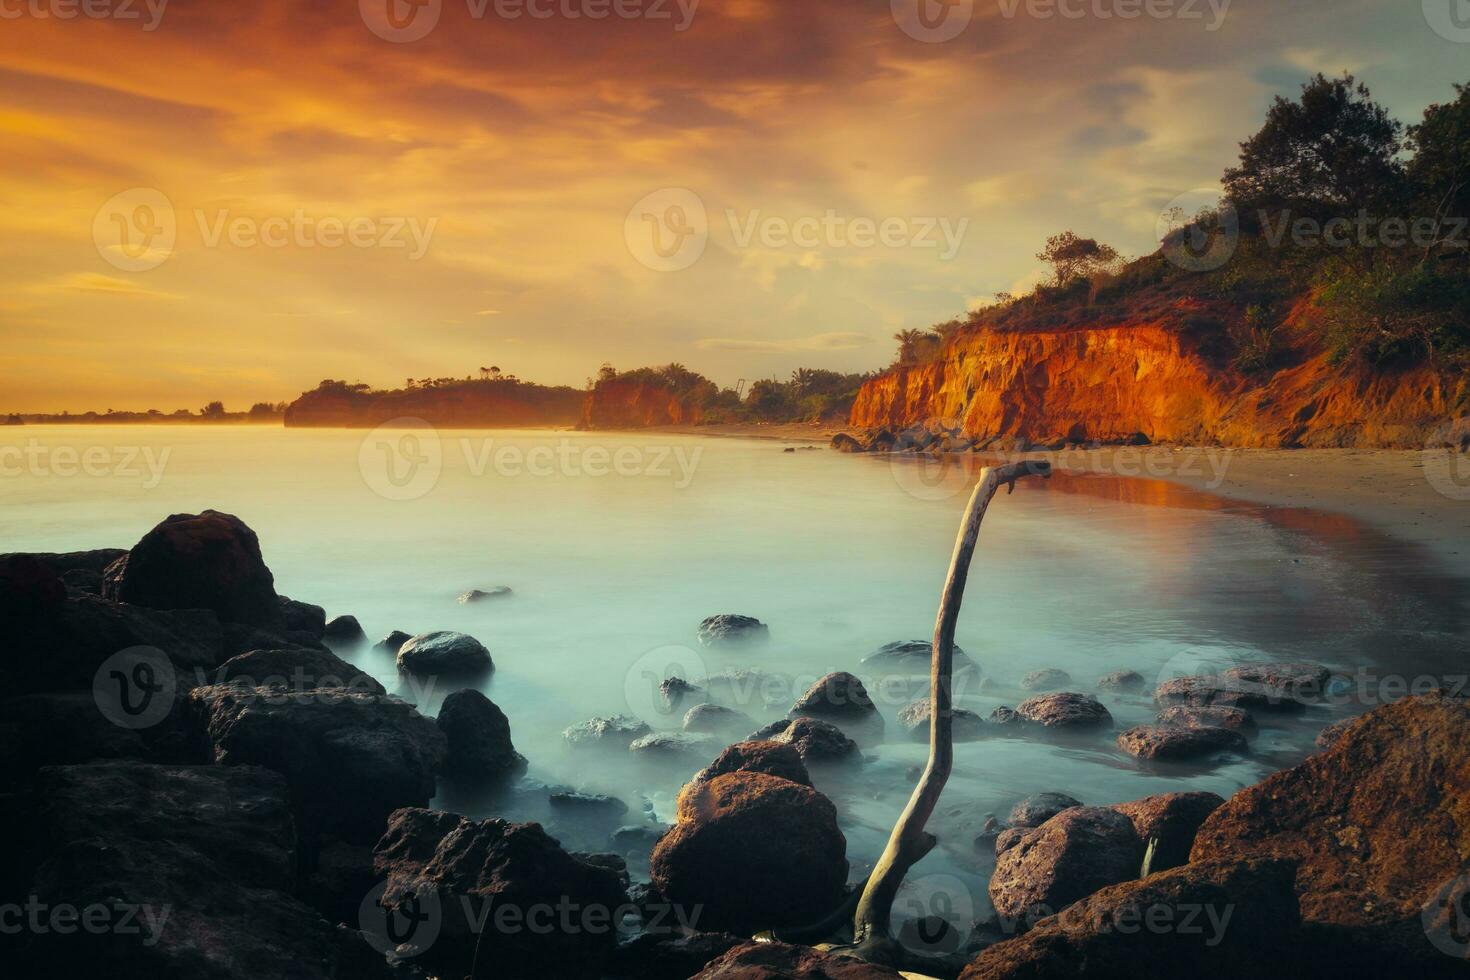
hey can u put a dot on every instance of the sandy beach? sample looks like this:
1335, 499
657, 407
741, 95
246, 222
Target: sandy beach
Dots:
1417, 496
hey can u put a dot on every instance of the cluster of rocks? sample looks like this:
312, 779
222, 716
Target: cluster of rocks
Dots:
940, 436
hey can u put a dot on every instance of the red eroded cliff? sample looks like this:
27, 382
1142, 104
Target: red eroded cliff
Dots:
1156, 376
636, 402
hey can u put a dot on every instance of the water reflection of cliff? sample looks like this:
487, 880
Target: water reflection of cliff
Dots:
1328, 585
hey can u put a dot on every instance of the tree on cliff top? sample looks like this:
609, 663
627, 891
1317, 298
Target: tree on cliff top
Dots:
1073, 257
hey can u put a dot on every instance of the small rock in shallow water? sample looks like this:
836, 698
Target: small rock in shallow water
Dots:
1049, 679
1209, 716
343, 630
1121, 680
591, 804
1159, 743
393, 642
671, 744
672, 692
444, 652
480, 595
714, 719
617, 732
730, 629
1036, 810
1065, 711
841, 699
815, 740
914, 717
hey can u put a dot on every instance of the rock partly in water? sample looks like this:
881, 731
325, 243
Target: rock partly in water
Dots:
844, 443
914, 717
841, 698
208, 560
344, 631
1121, 680
728, 629
302, 617
656, 745
295, 669
1048, 679
1065, 712
1007, 720
914, 656
674, 691
518, 875
1064, 860
477, 740
1284, 681
1221, 692
480, 595
588, 804
1159, 743
1169, 821
782, 961
715, 719
393, 642
617, 732
1379, 825
752, 691
771, 758
1209, 716
817, 742
1223, 921
444, 653
1036, 810
754, 851
351, 758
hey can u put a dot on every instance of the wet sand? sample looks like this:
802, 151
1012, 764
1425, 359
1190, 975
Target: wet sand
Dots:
1417, 496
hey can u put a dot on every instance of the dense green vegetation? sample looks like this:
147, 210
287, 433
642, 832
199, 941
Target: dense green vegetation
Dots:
1332, 201
809, 395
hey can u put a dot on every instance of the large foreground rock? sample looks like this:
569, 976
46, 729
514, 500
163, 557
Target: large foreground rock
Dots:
207, 854
351, 758
1232, 921
1379, 824
754, 851
297, 669
782, 961
1064, 860
514, 872
208, 560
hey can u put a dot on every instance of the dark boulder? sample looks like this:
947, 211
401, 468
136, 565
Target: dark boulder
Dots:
29, 588
1067, 858
296, 669
1065, 712
914, 656
1158, 743
446, 654
344, 631
667, 955
1036, 810
844, 443
817, 742
841, 698
393, 642
515, 875
302, 617
771, 758
208, 560
1223, 921
477, 737
587, 804
1379, 824
730, 629
351, 758
62, 728
1170, 821
755, 851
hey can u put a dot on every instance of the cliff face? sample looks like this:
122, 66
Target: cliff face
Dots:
632, 403
470, 403
1110, 381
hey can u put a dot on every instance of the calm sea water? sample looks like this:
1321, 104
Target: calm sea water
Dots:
617, 545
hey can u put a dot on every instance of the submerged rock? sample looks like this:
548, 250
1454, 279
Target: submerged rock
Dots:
1209, 716
673, 691
616, 732
729, 629
480, 595
755, 851
208, 560
1161, 743
1049, 679
1284, 681
1065, 711
444, 653
815, 741
477, 739
1064, 860
914, 717
714, 719
588, 804
1036, 810
915, 655
1121, 680
656, 744
351, 758
1222, 692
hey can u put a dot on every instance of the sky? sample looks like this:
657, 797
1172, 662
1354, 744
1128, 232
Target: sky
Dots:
204, 200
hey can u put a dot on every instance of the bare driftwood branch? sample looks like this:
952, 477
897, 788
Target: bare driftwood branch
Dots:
910, 841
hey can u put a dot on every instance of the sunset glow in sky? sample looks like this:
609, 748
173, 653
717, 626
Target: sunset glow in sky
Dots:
349, 206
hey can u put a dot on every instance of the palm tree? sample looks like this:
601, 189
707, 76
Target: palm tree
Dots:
908, 344
484, 373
